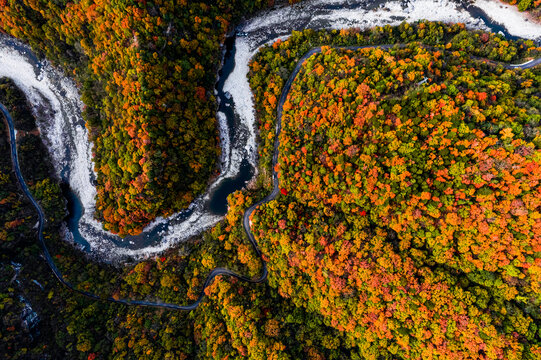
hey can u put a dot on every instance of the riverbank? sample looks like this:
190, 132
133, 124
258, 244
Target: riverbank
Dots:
67, 140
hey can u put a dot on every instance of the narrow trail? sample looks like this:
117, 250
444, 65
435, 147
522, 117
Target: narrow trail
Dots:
246, 218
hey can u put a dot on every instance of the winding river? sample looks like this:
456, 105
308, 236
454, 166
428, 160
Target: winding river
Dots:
246, 217
42, 220
56, 103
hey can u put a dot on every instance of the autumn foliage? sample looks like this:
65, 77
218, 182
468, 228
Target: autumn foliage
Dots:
146, 71
412, 221
406, 225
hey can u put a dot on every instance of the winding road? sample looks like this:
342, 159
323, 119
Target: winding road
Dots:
246, 218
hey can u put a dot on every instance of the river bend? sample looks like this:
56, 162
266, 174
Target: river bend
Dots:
246, 217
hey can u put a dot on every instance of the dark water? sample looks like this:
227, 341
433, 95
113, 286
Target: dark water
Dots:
218, 200
75, 211
495, 27
226, 104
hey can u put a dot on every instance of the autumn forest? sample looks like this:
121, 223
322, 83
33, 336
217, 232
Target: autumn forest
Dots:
407, 224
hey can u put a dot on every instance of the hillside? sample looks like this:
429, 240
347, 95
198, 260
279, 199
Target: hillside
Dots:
407, 224
410, 193
147, 74
407, 201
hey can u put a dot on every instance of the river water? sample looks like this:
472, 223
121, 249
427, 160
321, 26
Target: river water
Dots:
56, 103
206, 210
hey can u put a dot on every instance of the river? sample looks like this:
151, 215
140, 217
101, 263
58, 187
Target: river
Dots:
56, 102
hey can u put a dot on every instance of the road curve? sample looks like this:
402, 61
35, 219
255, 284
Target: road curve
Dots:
246, 218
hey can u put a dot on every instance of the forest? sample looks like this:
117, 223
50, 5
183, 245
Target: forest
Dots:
146, 71
433, 222
407, 226
393, 185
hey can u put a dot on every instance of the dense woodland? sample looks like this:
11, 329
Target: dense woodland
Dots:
367, 259
71, 326
146, 70
409, 215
